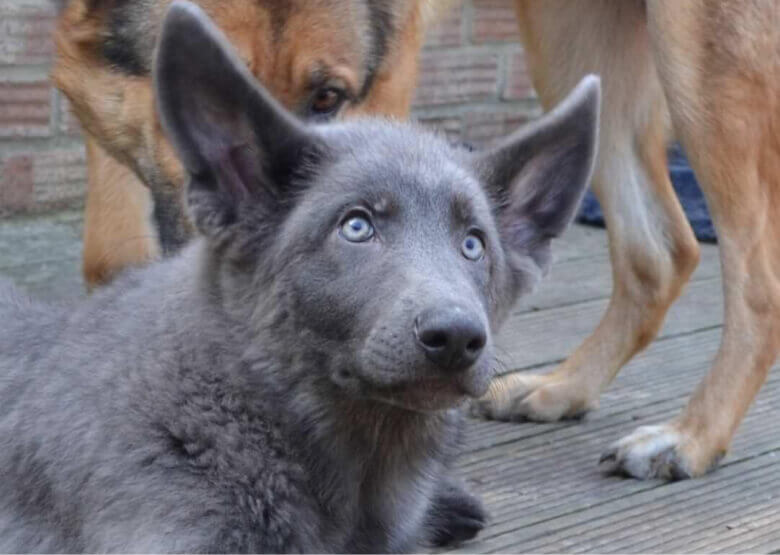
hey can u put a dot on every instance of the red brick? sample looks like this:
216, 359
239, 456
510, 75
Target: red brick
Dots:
25, 109
16, 183
494, 21
480, 128
446, 29
59, 177
26, 28
448, 77
518, 80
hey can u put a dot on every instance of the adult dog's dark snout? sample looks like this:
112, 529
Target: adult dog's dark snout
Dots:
452, 337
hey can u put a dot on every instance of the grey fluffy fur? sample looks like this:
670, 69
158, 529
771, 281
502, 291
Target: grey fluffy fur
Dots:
263, 391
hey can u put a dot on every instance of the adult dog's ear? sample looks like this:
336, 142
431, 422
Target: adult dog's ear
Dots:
239, 146
538, 175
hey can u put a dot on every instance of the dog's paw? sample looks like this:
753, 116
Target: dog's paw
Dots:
456, 516
534, 397
658, 452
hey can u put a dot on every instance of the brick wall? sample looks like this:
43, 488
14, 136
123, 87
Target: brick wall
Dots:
473, 81
473, 86
41, 153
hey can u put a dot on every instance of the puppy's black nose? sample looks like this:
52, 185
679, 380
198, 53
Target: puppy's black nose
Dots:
452, 337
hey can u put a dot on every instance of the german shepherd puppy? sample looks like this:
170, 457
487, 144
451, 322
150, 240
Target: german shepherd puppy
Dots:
291, 380
321, 59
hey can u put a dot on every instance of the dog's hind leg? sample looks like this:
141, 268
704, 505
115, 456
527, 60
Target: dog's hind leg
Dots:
117, 226
652, 248
718, 62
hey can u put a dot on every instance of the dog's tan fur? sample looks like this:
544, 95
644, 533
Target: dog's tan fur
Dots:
715, 64
706, 68
118, 113
117, 219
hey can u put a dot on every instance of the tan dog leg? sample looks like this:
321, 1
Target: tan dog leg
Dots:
117, 227
718, 63
652, 247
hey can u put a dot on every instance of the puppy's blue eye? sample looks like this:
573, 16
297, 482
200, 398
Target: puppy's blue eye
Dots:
357, 229
472, 247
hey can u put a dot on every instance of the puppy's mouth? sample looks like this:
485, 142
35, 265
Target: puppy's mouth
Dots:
430, 394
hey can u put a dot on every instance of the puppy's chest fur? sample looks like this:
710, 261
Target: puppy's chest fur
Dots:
331, 476
379, 480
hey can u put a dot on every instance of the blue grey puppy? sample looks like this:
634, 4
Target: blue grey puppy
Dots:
293, 380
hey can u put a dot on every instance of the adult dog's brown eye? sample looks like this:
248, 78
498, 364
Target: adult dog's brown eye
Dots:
326, 102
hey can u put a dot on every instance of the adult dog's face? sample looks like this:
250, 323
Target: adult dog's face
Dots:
322, 59
390, 256
319, 58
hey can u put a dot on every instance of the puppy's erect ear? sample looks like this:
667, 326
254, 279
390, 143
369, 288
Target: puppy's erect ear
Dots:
538, 175
238, 144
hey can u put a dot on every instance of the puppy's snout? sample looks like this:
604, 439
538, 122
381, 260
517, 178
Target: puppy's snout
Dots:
451, 337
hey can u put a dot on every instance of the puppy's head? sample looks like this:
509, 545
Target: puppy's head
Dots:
390, 255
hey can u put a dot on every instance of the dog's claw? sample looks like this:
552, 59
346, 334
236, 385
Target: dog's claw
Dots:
649, 452
608, 456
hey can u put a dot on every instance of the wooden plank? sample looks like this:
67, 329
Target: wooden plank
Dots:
564, 477
591, 489
562, 481
696, 512
579, 241
535, 338
582, 241
667, 503
736, 520
589, 277
552, 468
689, 515
674, 514
759, 532
53, 280
43, 254
27, 240
669, 368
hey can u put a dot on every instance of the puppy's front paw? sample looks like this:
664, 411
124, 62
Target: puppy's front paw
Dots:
456, 516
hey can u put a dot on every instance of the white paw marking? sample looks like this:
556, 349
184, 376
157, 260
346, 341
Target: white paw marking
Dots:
648, 452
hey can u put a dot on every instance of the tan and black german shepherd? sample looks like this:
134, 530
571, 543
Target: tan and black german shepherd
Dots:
708, 69
320, 58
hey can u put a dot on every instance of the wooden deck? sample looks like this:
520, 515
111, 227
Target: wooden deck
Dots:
540, 482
